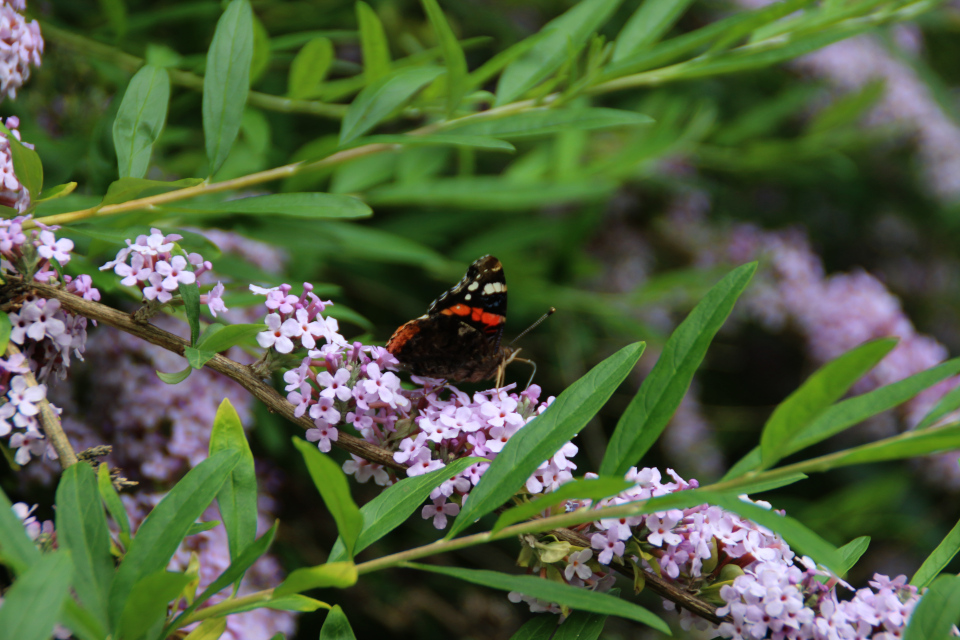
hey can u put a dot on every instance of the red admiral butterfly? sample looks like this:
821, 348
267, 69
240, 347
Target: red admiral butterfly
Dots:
459, 337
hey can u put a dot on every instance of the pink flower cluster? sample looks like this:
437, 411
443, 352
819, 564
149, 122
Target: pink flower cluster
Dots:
38, 532
355, 386
12, 193
295, 322
158, 273
20, 46
45, 333
747, 569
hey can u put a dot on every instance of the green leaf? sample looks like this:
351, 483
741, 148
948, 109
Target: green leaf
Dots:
232, 574
226, 81
309, 69
26, 164
82, 530
237, 499
544, 435
938, 560
937, 611
126, 189
948, 403
147, 602
44, 587
827, 385
581, 625
176, 377
190, 294
544, 121
908, 445
200, 527
663, 389
164, 528
339, 575
336, 626
647, 25
332, 485
260, 59
761, 485
592, 489
17, 550
380, 98
140, 119
453, 56
5, 329
373, 44
293, 602
395, 504
562, 36
116, 13
210, 629
438, 140
561, 593
81, 622
486, 192
57, 192
115, 506
293, 205
851, 552
228, 336
854, 410
537, 628
196, 358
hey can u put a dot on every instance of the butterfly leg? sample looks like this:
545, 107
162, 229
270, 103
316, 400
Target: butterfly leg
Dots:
532, 374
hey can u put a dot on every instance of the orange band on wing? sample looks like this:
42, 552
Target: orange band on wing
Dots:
476, 314
458, 310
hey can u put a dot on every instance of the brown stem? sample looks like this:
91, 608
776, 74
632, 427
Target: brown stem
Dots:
278, 404
221, 364
49, 420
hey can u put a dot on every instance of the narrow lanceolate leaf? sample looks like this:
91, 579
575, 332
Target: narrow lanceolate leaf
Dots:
81, 622
453, 57
395, 504
237, 499
852, 411
938, 560
332, 485
373, 44
82, 530
379, 99
647, 25
176, 377
115, 506
591, 489
147, 602
17, 550
561, 593
664, 388
164, 528
339, 575
827, 385
437, 140
226, 80
232, 574
949, 403
543, 122
581, 625
44, 587
140, 119
228, 336
5, 328
196, 358
190, 294
336, 626
26, 164
906, 445
309, 69
851, 552
544, 435
537, 628
562, 36
937, 611
293, 205
210, 629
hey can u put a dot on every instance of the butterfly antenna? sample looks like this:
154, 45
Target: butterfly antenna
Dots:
536, 324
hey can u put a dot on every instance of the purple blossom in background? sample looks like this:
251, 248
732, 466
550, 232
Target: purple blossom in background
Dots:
20, 47
12, 193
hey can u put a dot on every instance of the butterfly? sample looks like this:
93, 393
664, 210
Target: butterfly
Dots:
458, 338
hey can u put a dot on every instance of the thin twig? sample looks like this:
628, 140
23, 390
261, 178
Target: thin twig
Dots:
49, 420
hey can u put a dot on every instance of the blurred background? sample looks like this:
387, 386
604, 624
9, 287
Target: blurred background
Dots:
839, 171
